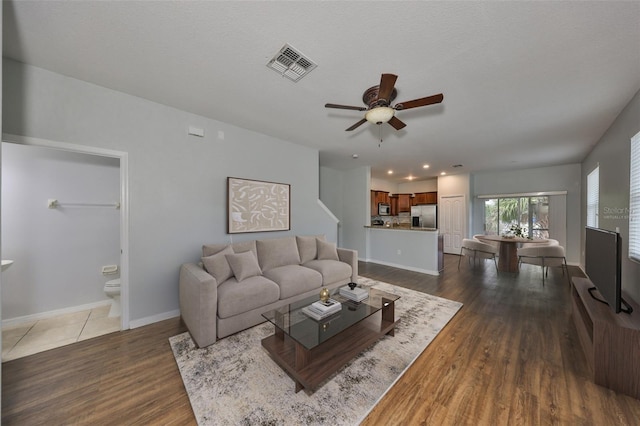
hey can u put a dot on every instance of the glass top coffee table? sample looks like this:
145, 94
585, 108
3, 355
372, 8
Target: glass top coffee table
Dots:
312, 350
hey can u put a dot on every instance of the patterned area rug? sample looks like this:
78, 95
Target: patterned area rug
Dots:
235, 382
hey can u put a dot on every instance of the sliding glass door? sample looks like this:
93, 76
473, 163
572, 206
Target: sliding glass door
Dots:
531, 213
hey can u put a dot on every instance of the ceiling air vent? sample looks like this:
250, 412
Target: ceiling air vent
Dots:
290, 63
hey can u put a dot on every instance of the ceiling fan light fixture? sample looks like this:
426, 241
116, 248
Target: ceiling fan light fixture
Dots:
379, 115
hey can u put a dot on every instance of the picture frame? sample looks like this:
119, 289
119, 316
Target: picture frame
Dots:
257, 206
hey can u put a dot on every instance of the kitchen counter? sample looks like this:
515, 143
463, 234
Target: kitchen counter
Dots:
415, 249
400, 228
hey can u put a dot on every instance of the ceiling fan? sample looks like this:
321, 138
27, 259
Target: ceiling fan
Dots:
378, 100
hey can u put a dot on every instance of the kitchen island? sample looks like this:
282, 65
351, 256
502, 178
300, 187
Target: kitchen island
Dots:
414, 249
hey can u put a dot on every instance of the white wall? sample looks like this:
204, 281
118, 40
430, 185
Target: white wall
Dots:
177, 182
454, 185
612, 153
556, 178
428, 185
384, 185
330, 183
356, 210
57, 253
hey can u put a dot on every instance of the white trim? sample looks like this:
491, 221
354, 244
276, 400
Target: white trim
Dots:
523, 194
154, 318
12, 322
328, 212
124, 203
593, 197
634, 198
408, 268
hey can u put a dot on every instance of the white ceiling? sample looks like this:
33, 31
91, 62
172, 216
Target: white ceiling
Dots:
525, 84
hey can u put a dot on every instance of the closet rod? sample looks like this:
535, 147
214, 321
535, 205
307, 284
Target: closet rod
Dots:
52, 203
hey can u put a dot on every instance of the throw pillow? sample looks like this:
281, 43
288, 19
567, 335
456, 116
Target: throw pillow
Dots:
244, 265
218, 266
277, 252
327, 250
307, 247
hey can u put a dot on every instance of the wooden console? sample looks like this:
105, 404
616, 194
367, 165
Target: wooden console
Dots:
611, 342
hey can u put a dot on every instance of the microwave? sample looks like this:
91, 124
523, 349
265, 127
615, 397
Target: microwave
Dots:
384, 209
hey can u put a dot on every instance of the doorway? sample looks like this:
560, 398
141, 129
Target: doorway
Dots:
453, 222
77, 211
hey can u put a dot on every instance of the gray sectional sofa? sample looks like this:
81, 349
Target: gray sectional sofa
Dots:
235, 283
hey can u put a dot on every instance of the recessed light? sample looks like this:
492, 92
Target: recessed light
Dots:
410, 177
425, 166
443, 173
390, 172
354, 156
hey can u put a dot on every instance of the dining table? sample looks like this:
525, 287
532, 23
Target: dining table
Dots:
508, 249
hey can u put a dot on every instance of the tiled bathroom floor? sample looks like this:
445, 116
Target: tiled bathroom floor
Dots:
42, 335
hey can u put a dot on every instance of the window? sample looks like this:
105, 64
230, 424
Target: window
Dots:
634, 200
593, 197
530, 212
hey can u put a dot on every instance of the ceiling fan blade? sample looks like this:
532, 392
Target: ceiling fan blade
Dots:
345, 107
396, 124
358, 124
429, 100
387, 81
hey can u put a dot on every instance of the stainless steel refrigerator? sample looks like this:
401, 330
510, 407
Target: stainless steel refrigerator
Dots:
427, 216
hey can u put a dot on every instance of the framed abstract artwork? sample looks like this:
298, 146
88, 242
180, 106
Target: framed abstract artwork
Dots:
257, 206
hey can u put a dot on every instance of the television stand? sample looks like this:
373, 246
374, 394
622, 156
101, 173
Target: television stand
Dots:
610, 341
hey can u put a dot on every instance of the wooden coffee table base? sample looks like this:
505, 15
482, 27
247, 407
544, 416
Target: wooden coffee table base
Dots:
309, 368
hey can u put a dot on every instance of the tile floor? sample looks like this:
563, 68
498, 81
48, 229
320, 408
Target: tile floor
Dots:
38, 336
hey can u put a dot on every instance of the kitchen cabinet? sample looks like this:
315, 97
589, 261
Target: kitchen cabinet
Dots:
425, 198
404, 203
382, 197
376, 198
393, 201
374, 204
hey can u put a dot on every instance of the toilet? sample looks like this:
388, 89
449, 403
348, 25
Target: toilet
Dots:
112, 289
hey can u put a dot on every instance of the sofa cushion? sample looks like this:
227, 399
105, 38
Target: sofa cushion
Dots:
218, 266
326, 250
237, 297
277, 252
244, 265
294, 279
307, 247
209, 249
331, 270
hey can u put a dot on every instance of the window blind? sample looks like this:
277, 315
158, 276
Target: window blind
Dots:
593, 197
634, 199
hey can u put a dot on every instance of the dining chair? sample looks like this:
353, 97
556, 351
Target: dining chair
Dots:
475, 249
549, 242
496, 244
545, 256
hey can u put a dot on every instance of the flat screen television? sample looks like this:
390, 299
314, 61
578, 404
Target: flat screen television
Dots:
603, 267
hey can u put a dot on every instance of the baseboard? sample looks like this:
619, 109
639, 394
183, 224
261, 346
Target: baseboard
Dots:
154, 318
408, 268
50, 314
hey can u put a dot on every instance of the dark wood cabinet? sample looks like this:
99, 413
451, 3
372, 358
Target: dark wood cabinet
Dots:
374, 204
425, 198
393, 201
404, 203
376, 198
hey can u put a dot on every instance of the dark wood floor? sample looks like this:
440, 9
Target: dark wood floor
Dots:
510, 356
